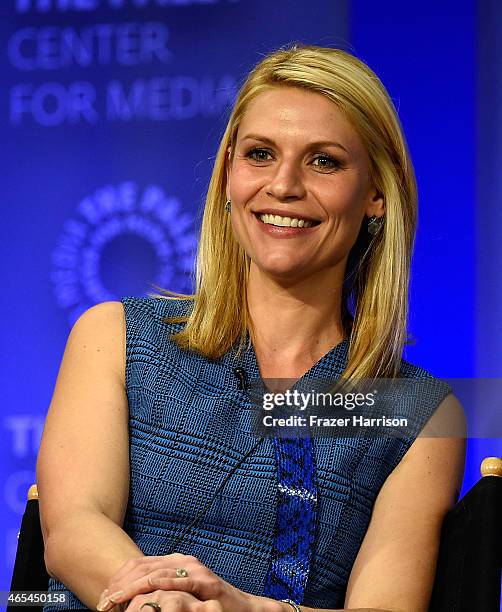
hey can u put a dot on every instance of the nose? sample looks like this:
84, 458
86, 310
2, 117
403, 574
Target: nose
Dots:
286, 181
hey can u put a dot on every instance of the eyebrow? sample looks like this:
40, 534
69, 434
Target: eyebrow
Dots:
311, 145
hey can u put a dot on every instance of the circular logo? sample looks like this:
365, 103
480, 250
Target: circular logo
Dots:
122, 241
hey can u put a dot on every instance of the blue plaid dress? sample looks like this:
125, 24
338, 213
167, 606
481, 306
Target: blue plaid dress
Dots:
290, 520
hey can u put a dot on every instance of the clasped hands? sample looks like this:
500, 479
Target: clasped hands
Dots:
154, 579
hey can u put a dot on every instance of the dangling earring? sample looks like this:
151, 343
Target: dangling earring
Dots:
374, 224
228, 205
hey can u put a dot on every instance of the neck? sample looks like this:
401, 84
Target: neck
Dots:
295, 323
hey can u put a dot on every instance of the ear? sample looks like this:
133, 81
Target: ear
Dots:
376, 204
228, 170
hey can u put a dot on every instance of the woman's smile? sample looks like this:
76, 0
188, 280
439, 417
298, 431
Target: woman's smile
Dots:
285, 227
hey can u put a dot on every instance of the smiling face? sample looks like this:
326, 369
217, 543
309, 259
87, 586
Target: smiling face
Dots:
297, 156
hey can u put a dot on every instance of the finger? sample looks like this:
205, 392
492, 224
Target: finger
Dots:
167, 580
172, 601
209, 606
132, 569
163, 578
137, 562
204, 586
120, 589
136, 572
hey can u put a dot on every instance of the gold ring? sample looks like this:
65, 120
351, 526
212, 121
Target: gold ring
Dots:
153, 604
181, 573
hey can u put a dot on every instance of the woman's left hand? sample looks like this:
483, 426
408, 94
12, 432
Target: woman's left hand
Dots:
147, 574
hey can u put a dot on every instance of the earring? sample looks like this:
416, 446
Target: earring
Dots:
228, 205
374, 224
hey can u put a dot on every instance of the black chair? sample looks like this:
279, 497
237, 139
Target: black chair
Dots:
30, 573
468, 570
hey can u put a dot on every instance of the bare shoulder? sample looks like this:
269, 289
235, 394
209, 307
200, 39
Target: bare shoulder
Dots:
403, 536
111, 310
102, 328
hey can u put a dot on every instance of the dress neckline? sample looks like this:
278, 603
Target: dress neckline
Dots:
330, 365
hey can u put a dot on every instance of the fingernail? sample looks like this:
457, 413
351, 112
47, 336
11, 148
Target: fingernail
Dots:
116, 595
103, 604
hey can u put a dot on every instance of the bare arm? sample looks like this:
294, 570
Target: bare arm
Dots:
396, 564
83, 462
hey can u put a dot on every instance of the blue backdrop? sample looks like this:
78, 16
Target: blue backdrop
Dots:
110, 115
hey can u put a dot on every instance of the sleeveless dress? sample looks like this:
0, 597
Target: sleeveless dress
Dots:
190, 424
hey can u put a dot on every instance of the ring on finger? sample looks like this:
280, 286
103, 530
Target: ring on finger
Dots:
181, 572
153, 604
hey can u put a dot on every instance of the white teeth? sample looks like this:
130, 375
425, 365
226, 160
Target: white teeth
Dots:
285, 221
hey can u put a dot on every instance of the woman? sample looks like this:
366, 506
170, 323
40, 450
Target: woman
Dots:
154, 492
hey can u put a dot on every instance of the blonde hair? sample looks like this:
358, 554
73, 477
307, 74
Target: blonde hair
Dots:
375, 291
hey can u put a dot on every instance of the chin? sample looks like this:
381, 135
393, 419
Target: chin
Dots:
286, 272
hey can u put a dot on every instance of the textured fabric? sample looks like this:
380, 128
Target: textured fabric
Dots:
295, 519
190, 425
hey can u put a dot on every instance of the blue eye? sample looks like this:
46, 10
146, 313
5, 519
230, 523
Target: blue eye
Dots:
260, 155
255, 151
334, 163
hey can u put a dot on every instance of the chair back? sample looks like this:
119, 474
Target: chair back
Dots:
468, 569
